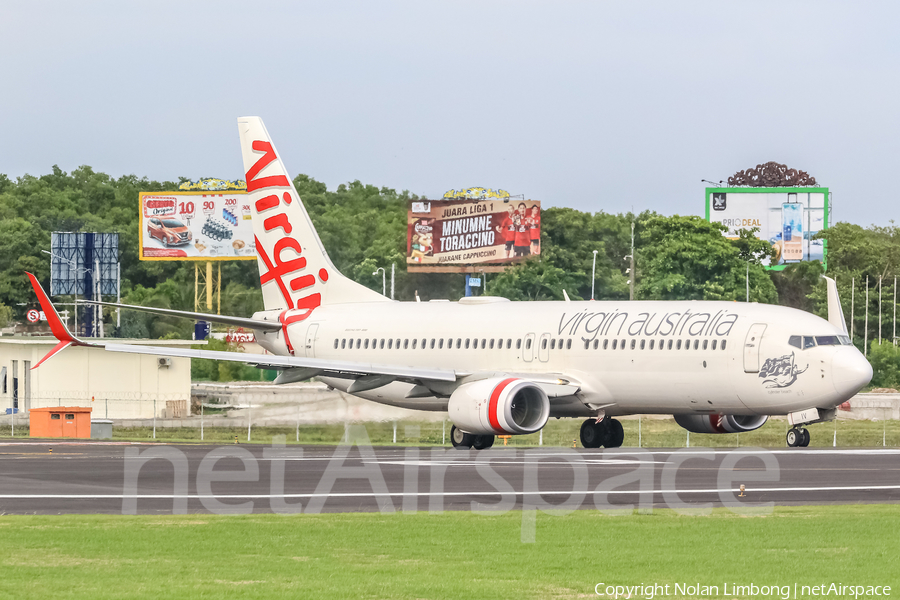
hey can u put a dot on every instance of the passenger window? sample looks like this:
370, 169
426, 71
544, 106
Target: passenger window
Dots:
670, 344
651, 344
528, 344
458, 343
492, 343
367, 344
390, 344
705, 344
432, 343
723, 344
615, 344
543, 344
605, 344
553, 344
397, 345
622, 344
587, 344
696, 344
633, 342
678, 345
423, 344
344, 343
714, 344
335, 343
596, 344
406, 344
642, 344
467, 343
358, 343
518, 344
483, 343
508, 344
568, 344
808, 342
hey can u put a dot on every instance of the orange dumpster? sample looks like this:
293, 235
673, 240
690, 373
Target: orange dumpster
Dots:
61, 421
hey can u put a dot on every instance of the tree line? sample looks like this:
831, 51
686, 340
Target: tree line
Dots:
363, 227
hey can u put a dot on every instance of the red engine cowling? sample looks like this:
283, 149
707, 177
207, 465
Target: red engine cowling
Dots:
499, 406
720, 423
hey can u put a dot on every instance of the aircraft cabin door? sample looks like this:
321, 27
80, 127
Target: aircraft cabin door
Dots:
528, 350
751, 347
544, 347
311, 340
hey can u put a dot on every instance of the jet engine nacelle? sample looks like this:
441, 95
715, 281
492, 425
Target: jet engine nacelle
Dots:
720, 423
498, 405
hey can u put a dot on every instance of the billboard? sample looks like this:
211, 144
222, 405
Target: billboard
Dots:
196, 226
471, 231
787, 217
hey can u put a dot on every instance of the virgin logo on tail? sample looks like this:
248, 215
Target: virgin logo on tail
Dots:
285, 272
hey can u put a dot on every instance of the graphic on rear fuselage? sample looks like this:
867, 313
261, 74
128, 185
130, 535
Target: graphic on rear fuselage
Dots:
780, 372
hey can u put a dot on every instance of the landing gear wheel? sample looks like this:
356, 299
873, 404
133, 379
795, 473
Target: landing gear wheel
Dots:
482, 442
616, 433
805, 441
460, 438
593, 434
794, 437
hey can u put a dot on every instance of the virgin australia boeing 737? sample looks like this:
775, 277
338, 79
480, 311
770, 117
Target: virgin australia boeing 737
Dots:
501, 367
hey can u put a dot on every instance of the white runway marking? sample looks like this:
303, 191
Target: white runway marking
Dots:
430, 494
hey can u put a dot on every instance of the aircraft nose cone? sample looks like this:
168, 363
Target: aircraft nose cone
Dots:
851, 371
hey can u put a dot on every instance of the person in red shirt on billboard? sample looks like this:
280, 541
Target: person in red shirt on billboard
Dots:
507, 231
523, 234
534, 226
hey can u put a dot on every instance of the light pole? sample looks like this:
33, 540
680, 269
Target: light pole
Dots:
593, 274
630, 269
383, 280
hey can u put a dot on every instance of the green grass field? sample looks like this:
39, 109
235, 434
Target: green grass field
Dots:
450, 555
654, 433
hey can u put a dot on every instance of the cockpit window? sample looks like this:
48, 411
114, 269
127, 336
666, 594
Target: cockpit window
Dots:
828, 340
845, 340
808, 341
794, 341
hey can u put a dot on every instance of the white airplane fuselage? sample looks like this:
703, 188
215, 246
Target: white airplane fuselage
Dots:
669, 357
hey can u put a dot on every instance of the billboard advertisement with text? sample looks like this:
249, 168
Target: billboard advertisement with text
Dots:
787, 218
466, 231
195, 226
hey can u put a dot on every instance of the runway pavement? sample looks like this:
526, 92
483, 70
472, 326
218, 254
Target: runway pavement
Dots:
115, 478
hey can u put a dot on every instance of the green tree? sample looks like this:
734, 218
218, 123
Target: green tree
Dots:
688, 258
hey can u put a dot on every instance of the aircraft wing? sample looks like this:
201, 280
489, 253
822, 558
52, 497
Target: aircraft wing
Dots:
224, 319
368, 375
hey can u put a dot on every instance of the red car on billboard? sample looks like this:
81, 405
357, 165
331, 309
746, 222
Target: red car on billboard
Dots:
171, 232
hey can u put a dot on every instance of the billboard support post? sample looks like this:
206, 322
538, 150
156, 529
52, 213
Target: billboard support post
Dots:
209, 291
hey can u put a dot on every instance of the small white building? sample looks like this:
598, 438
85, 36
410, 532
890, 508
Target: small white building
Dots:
115, 384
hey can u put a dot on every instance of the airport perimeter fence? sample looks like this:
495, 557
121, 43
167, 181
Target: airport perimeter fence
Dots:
133, 419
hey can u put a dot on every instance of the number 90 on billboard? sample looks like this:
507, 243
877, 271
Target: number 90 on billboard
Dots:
195, 226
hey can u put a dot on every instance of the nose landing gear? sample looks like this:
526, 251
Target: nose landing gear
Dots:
797, 436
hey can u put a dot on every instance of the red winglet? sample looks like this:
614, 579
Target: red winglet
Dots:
56, 325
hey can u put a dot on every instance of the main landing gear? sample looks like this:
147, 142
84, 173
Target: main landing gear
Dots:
461, 439
797, 436
608, 433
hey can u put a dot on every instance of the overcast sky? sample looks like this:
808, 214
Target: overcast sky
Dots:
593, 105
